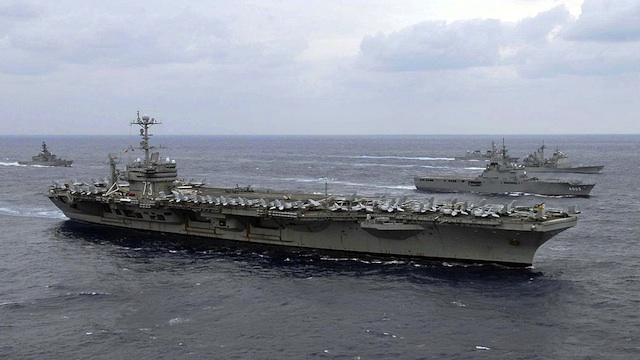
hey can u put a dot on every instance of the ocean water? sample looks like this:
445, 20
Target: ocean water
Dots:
75, 291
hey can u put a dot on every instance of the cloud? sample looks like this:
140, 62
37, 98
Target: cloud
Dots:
549, 44
38, 45
538, 29
332, 66
606, 21
604, 40
16, 10
435, 45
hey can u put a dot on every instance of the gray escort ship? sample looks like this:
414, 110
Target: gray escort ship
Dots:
147, 196
558, 162
46, 158
493, 153
500, 177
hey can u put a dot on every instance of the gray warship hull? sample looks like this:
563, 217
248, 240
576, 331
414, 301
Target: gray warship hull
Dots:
431, 235
596, 169
490, 186
481, 158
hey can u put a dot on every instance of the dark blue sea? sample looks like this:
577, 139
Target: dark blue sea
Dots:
75, 291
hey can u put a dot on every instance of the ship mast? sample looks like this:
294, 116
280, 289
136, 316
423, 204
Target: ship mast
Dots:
145, 122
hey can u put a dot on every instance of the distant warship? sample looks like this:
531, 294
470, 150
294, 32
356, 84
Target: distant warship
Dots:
46, 158
148, 196
500, 177
486, 156
558, 162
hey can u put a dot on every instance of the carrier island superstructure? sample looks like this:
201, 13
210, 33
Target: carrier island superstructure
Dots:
148, 196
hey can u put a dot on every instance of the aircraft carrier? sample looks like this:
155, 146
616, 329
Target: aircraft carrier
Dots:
148, 196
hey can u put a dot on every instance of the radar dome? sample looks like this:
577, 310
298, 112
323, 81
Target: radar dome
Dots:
145, 117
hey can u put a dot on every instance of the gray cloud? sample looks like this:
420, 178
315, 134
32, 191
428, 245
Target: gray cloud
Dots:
436, 45
242, 67
606, 21
604, 40
39, 45
536, 30
549, 44
16, 10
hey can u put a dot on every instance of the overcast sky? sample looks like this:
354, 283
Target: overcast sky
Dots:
321, 66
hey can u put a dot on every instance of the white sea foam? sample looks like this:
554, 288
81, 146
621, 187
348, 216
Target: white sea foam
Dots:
349, 183
15, 163
178, 320
33, 212
422, 158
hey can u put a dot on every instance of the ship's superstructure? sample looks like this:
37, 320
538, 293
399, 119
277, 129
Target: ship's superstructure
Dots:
489, 155
148, 196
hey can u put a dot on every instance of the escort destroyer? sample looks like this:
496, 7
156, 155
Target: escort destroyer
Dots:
148, 196
46, 158
557, 163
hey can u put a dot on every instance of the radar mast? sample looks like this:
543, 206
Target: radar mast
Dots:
145, 122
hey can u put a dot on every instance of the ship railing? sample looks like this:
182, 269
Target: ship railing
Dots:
283, 214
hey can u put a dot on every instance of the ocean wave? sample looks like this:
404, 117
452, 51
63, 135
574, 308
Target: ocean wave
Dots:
364, 260
349, 183
422, 158
395, 165
15, 163
33, 212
